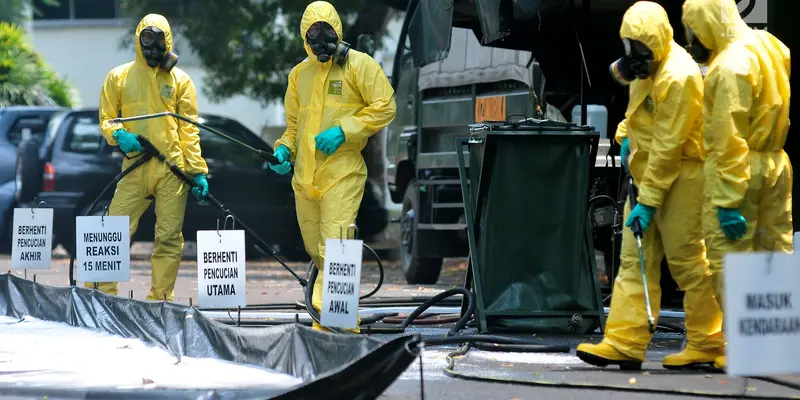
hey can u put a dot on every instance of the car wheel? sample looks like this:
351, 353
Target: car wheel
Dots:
417, 270
28, 177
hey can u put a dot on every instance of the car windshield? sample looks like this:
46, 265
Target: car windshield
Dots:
85, 137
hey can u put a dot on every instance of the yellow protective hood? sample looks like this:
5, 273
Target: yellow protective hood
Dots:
648, 23
160, 22
716, 23
316, 12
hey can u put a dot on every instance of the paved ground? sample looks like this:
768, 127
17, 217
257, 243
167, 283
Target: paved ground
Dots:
548, 375
267, 281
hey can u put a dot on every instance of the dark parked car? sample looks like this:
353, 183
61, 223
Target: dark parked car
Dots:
13, 120
75, 163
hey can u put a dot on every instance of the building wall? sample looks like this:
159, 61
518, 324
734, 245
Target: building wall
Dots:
85, 51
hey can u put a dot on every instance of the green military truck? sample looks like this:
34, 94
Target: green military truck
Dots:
462, 61
435, 103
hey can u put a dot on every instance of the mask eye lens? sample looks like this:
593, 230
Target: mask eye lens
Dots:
330, 32
640, 51
147, 38
314, 31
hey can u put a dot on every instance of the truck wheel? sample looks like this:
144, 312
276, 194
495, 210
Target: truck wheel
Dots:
29, 171
418, 270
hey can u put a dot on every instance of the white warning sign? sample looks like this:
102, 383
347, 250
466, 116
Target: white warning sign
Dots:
221, 278
32, 240
762, 314
341, 283
102, 248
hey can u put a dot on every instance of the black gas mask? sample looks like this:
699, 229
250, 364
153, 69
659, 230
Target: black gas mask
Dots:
154, 49
637, 63
325, 44
699, 53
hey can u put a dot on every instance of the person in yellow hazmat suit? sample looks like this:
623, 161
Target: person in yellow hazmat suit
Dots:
152, 84
662, 132
748, 191
336, 99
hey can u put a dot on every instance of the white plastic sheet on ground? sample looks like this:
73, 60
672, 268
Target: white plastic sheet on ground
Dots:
37, 353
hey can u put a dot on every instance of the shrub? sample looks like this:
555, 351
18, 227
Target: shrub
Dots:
24, 77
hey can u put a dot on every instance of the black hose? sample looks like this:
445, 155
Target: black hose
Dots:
498, 340
309, 296
435, 299
380, 278
143, 158
500, 343
264, 247
150, 151
449, 371
266, 156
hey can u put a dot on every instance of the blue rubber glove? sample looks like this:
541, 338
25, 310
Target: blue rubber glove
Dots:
201, 192
643, 213
330, 140
732, 222
624, 153
127, 141
282, 154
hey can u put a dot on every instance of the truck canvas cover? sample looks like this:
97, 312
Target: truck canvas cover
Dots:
285, 361
470, 63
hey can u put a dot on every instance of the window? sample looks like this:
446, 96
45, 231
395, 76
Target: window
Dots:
76, 9
84, 136
44, 11
37, 126
93, 9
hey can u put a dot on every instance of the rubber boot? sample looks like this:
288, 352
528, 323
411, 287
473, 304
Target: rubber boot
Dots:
602, 355
721, 363
692, 359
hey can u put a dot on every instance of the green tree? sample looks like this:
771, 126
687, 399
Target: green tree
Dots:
24, 77
13, 11
249, 47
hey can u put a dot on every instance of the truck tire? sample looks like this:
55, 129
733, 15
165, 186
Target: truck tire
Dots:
29, 171
417, 270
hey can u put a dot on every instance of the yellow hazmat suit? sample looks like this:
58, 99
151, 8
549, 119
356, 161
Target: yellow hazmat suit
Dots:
663, 126
355, 96
135, 89
746, 117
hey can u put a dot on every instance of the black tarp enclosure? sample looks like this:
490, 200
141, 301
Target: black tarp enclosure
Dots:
328, 366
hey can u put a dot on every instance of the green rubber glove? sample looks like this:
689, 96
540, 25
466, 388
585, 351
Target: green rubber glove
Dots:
127, 141
330, 140
282, 154
201, 191
624, 154
732, 222
643, 213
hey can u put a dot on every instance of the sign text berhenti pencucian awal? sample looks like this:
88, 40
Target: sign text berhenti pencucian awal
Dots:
341, 283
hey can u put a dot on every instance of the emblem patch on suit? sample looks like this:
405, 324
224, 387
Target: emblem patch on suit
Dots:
335, 88
649, 105
167, 91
